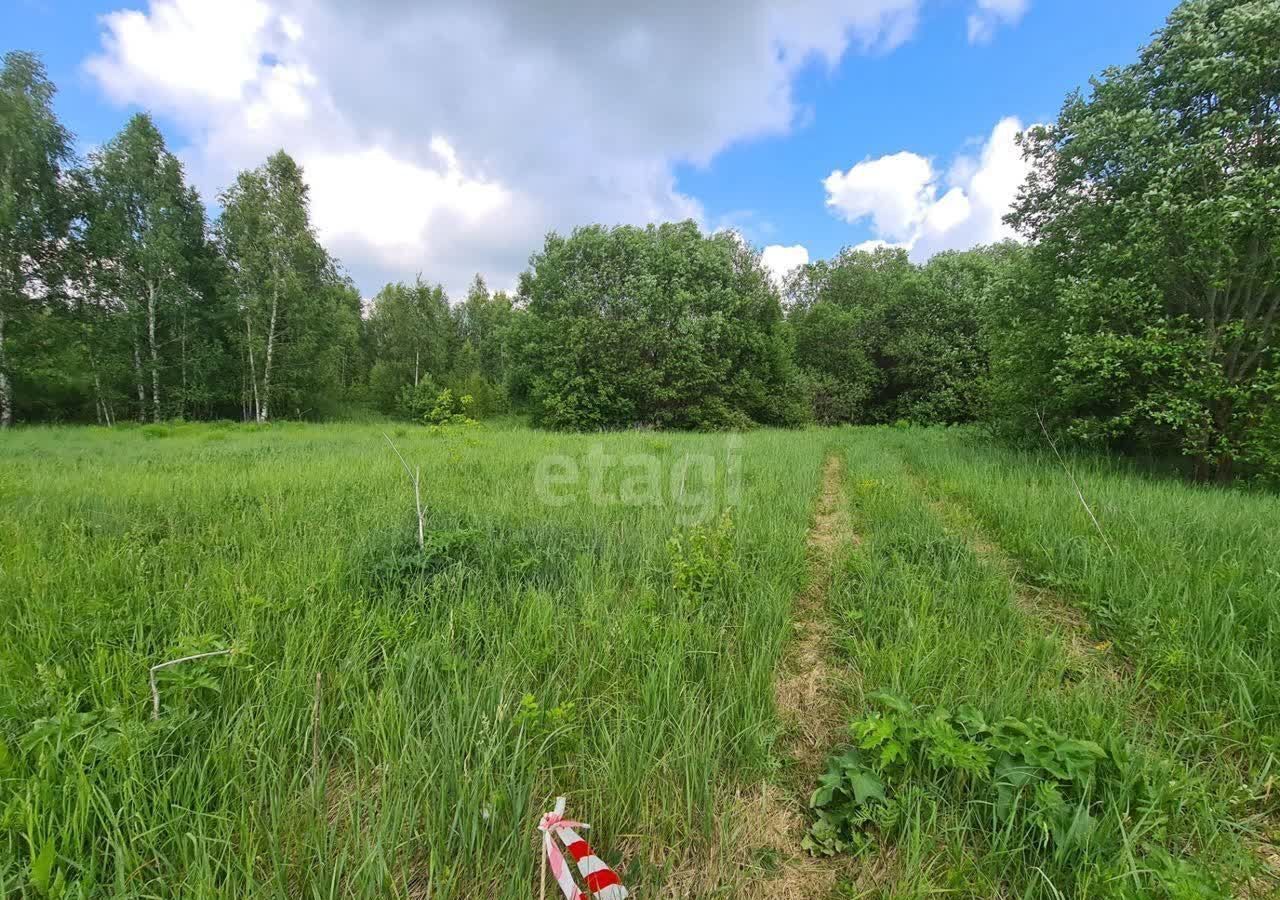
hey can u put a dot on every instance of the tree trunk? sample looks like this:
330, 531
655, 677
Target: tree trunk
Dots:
99, 401
415, 368
182, 400
155, 352
6, 395
137, 376
266, 368
253, 367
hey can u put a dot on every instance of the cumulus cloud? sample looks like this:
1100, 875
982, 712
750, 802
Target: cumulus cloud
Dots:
909, 204
988, 15
780, 260
449, 137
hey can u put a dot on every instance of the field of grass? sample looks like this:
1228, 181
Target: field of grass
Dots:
609, 617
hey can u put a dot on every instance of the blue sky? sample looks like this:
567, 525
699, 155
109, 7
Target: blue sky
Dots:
448, 138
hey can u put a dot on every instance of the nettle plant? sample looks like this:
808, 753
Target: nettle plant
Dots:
1026, 785
703, 558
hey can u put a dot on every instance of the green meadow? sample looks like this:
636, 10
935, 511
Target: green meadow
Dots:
1022, 705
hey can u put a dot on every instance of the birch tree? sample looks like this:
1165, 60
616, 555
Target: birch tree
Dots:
410, 333
283, 278
34, 213
147, 234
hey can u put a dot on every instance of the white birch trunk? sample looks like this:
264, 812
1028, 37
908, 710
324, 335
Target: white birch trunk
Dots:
155, 352
137, 375
253, 367
265, 413
6, 392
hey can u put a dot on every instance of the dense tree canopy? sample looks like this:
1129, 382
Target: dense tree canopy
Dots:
35, 218
661, 326
1150, 312
153, 266
299, 317
880, 339
408, 334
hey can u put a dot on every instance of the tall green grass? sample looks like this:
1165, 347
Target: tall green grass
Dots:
925, 618
1186, 581
621, 653
532, 650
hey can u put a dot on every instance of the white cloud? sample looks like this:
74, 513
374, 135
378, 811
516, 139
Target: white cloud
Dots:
552, 115
780, 260
903, 196
991, 14
895, 191
373, 205
184, 53
874, 244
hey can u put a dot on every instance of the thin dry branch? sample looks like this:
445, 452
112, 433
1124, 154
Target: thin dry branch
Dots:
1074, 483
415, 478
155, 689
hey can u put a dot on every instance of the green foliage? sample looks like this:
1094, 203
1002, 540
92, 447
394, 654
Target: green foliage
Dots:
704, 558
660, 326
408, 336
148, 251
1045, 791
450, 410
415, 401
879, 338
299, 319
1149, 313
36, 210
481, 323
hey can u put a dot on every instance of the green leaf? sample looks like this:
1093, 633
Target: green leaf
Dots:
970, 719
866, 785
42, 868
828, 784
875, 732
892, 752
891, 701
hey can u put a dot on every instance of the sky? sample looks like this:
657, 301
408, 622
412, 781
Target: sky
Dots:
446, 138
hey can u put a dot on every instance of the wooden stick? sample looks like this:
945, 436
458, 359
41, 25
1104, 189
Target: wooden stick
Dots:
1075, 484
155, 690
414, 479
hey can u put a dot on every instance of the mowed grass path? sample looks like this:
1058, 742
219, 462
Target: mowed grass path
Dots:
615, 638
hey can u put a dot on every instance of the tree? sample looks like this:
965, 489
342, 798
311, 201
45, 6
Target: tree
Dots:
287, 287
35, 216
147, 236
660, 326
841, 312
939, 354
410, 335
1155, 207
481, 322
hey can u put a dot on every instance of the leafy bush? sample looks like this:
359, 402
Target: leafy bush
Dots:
660, 326
703, 558
1153, 317
450, 410
1029, 787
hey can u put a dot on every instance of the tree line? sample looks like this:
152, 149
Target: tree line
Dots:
1140, 313
120, 301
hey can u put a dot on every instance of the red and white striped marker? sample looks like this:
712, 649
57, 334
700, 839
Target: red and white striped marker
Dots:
602, 882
